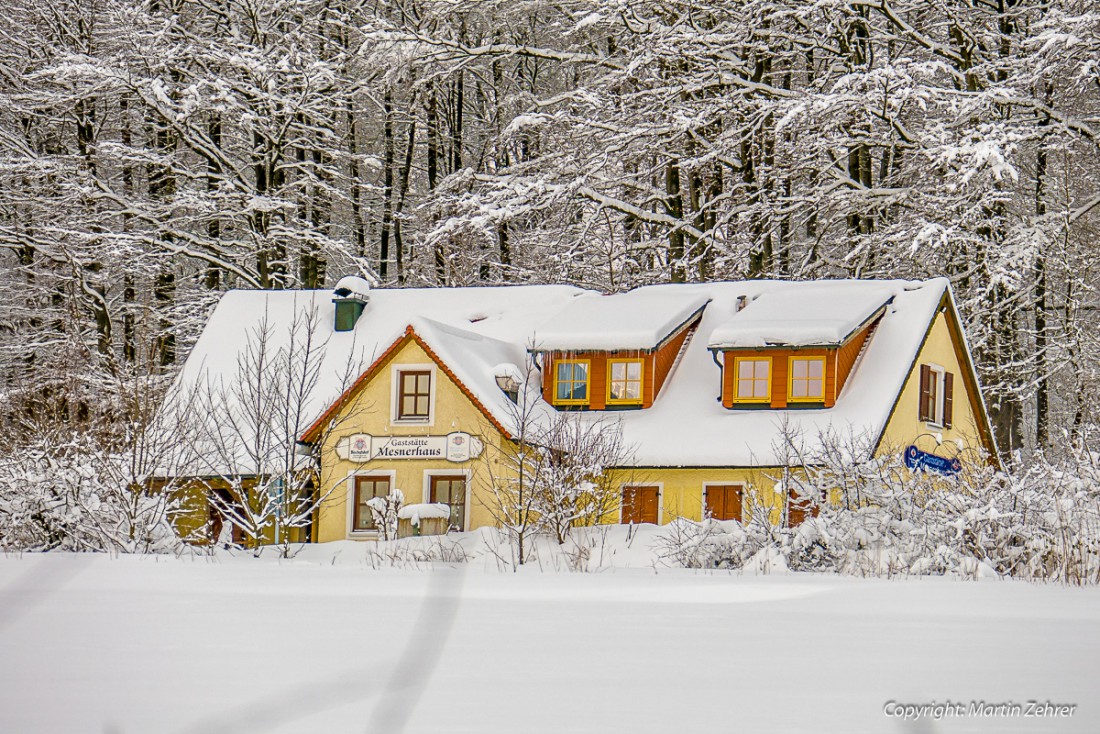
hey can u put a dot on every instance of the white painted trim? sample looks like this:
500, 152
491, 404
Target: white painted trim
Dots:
660, 498
744, 487
427, 485
395, 390
353, 534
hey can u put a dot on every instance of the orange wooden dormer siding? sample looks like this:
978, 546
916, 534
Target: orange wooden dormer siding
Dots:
838, 365
656, 365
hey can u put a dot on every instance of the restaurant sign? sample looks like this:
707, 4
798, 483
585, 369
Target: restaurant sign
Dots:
456, 447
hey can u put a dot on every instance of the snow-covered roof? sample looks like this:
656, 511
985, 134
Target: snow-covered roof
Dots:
687, 425
637, 319
476, 360
473, 329
475, 332
802, 314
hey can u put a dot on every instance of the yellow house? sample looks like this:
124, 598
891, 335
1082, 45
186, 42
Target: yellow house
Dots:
714, 390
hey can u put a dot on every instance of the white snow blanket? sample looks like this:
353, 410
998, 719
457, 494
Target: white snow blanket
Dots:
152, 644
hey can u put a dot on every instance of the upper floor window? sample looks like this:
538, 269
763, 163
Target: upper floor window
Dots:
571, 381
414, 396
624, 384
936, 395
753, 381
807, 379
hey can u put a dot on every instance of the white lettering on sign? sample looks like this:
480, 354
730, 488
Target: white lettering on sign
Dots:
456, 447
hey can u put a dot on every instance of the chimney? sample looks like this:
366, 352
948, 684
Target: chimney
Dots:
350, 296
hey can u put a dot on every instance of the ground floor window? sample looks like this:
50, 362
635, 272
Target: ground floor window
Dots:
450, 490
723, 501
640, 504
366, 489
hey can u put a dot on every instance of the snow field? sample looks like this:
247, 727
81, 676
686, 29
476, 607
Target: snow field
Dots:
326, 643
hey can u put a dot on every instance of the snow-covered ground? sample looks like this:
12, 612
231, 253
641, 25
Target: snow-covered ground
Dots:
234, 644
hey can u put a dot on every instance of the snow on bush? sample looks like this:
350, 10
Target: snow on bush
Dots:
1041, 522
385, 511
73, 495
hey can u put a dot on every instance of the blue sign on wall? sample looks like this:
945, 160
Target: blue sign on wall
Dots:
918, 460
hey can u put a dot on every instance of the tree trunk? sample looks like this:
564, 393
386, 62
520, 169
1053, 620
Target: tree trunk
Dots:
387, 188
674, 206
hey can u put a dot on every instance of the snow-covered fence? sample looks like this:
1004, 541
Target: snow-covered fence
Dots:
423, 519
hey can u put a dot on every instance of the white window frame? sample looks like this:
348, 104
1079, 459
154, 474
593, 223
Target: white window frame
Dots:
939, 375
426, 487
395, 394
660, 498
352, 533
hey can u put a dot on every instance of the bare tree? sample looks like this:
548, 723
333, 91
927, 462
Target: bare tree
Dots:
555, 473
241, 431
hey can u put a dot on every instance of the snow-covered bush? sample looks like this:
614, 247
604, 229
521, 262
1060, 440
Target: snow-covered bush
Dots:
1038, 522
75, 495
711, 543
385, 512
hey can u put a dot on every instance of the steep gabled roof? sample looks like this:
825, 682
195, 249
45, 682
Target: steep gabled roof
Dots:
430, 333
969, 375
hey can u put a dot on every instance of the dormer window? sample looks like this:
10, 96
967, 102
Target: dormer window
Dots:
571, 381
614, 352
807, 379
624, 384
753, 383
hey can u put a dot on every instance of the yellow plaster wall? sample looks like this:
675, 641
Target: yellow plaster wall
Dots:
903, 428
192, 511
682, 489
371, 412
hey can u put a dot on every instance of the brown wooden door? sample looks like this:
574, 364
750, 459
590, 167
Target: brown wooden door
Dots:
640, 504
451, 490
724, 501
799, 509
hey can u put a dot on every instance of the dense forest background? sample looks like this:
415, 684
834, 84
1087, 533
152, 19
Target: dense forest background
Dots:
154, 153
